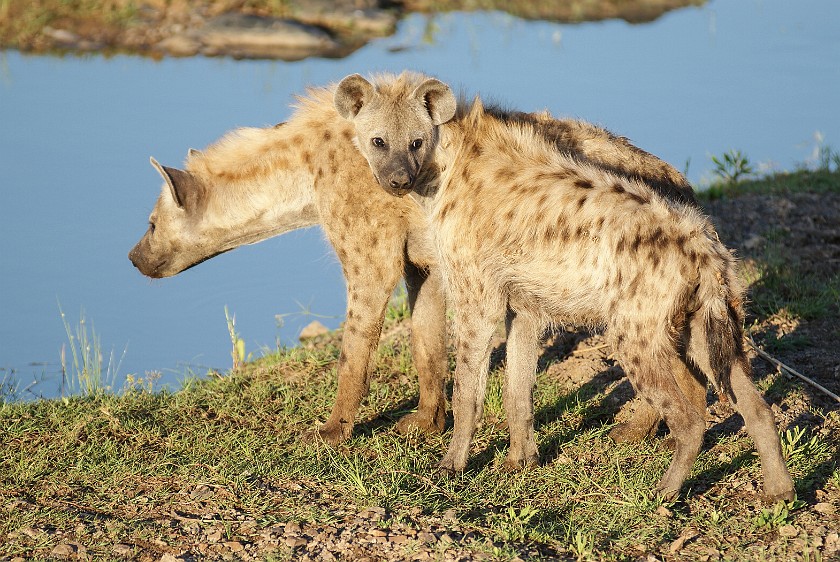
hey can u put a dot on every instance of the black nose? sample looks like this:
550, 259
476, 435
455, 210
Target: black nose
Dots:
401, 180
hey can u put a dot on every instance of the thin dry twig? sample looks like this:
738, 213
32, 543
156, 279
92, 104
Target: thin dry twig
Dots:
791, 370
588, 349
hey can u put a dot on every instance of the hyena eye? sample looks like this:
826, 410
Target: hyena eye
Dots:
151, 228
416, 144
378, 142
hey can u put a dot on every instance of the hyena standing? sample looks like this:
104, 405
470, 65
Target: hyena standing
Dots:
522, 227
261, 182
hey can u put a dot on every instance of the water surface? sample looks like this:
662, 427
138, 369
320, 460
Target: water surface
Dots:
76, 134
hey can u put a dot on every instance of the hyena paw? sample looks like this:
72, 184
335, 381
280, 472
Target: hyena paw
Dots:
782, 489
448, 465
667, 491
518, 462
327, 434
424, 422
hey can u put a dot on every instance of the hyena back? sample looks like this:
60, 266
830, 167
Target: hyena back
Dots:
522, 227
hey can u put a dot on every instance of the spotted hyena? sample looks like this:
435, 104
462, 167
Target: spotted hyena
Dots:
256, 183
525, 230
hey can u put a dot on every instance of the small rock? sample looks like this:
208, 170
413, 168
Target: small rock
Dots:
292, 528
684, 537
169, 557
121, 549
63, 549
663, 511
825, 508
235, 546
257, 36
377, 533
398, 539
788, 531
180, 46
293, 542
30, 532
425, 537
61, 36
312, 330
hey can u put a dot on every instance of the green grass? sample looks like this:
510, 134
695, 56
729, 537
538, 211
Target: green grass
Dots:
85, 371
821, 180
106, 468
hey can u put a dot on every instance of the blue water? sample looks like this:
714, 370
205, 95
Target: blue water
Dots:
76, 133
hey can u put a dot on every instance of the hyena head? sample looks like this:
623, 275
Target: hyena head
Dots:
174, 240
396, 123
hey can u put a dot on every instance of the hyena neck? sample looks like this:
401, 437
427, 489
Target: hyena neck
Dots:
257, 185
438, 169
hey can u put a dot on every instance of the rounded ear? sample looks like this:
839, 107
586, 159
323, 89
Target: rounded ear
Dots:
351, 94
438, 98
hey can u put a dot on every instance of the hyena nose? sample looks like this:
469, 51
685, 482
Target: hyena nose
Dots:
401, 180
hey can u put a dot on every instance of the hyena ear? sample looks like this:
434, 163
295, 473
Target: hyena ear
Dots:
185, 188
351, 95
438, 98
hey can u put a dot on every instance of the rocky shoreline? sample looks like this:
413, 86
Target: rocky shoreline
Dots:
291, 30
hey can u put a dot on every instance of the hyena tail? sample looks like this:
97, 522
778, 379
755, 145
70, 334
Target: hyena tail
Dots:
715, 343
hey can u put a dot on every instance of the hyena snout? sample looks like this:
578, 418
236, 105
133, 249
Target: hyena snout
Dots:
400, 180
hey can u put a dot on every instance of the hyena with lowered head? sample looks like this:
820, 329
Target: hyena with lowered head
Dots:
521, 227
256, 183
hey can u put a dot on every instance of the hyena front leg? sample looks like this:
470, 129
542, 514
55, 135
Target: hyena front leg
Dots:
428, 348
475, 323
520, 377
366, 304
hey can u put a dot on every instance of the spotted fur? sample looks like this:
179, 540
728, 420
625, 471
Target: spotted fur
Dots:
528, 231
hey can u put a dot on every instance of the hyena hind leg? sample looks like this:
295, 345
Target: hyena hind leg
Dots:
645, 419
758, 419
428, 349
655, 383
520, 377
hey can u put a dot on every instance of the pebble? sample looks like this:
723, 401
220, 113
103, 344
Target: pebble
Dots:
825, 508
293, 542
63, 549
235, 546
121, 549
788, 531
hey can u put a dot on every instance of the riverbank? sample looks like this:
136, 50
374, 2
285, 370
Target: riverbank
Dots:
217, 470
288, 30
